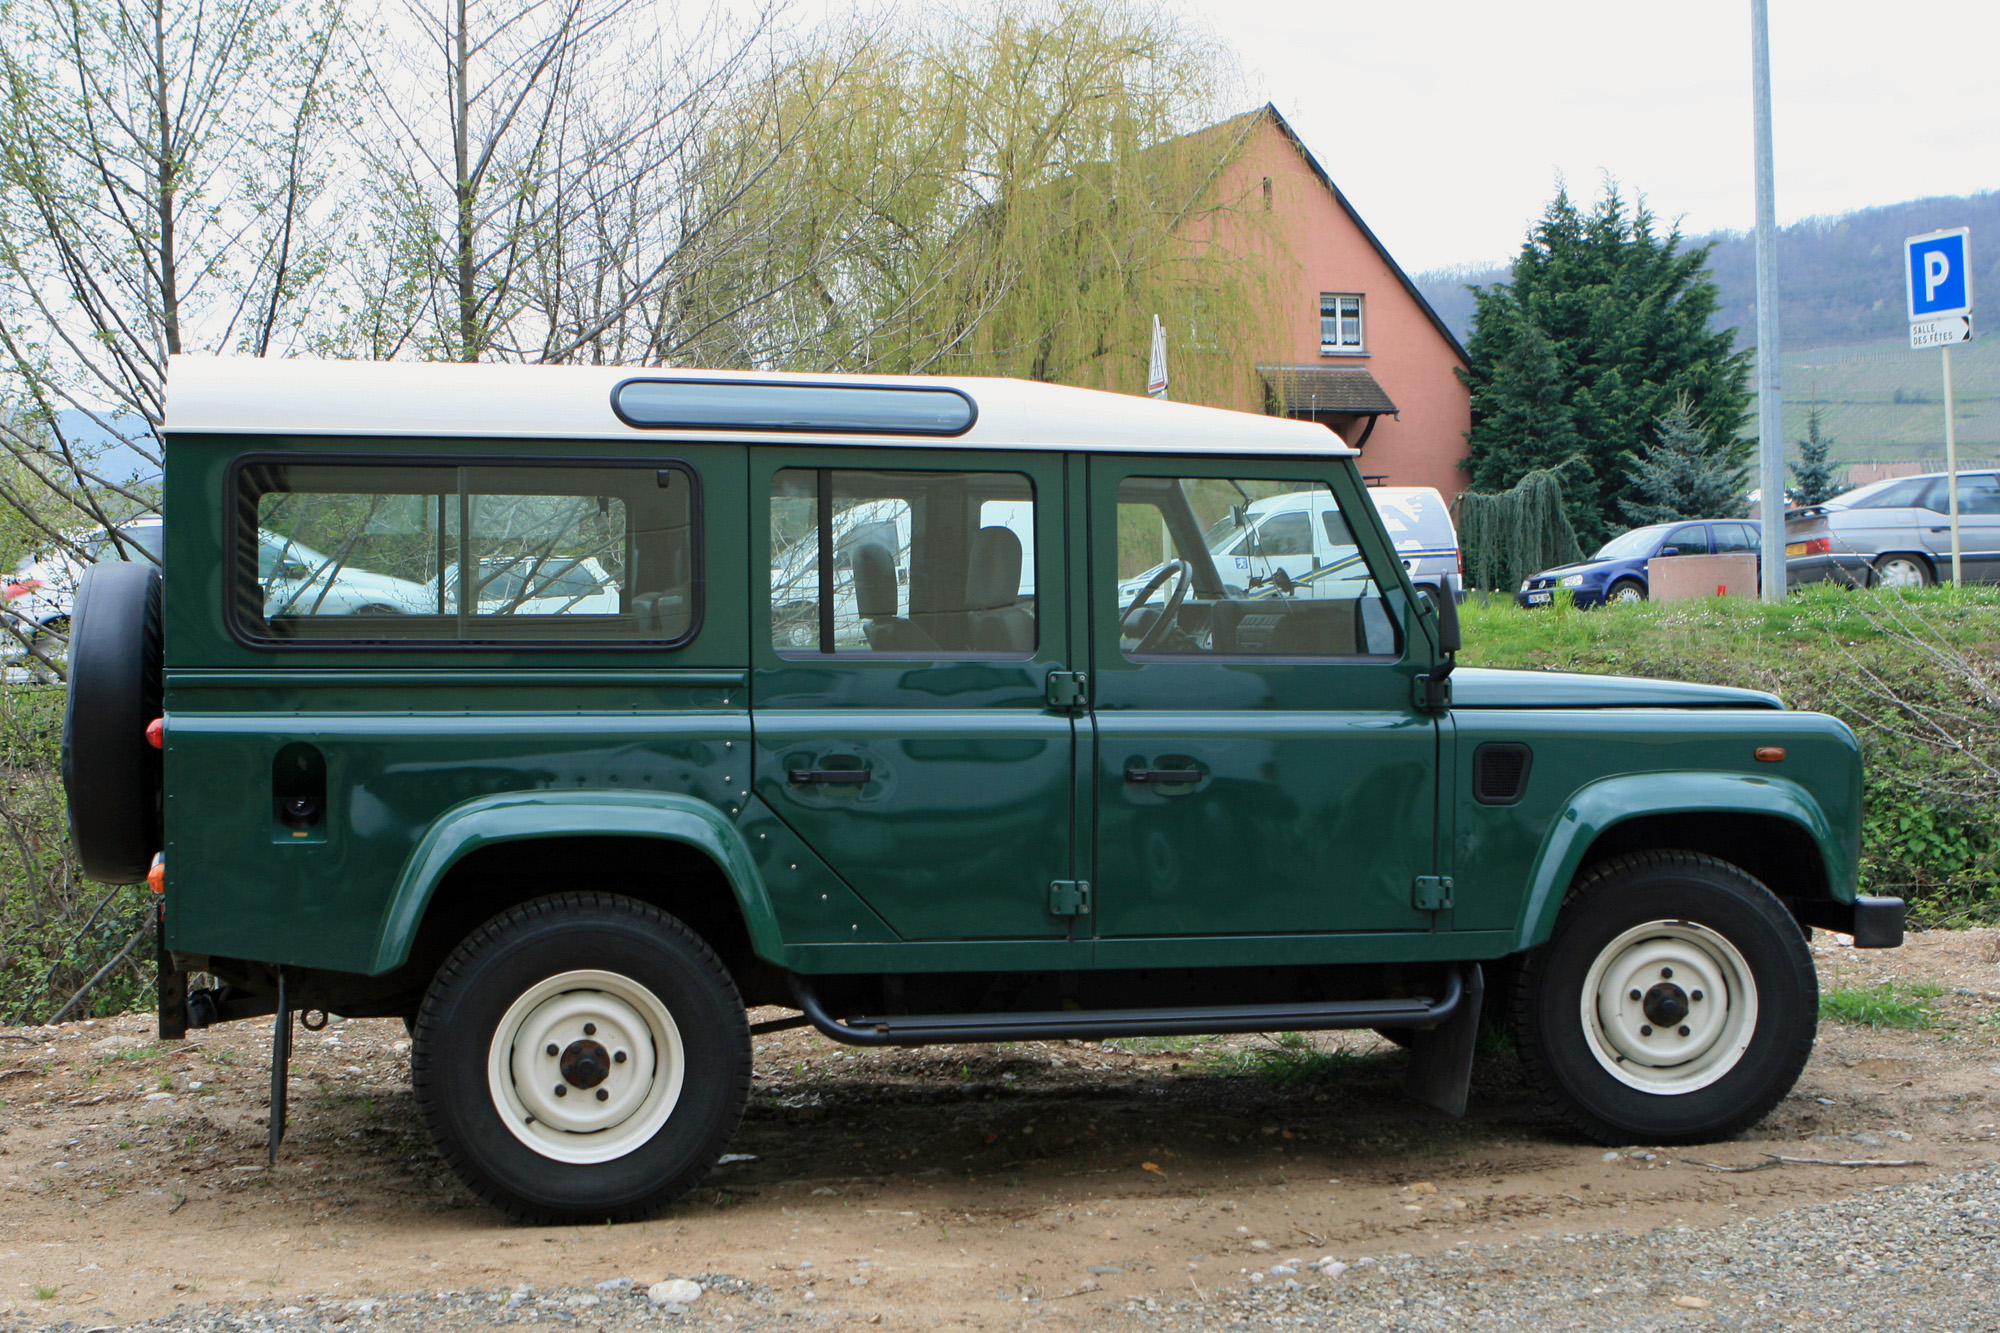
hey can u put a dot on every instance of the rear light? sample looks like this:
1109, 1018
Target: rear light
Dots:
21, 589
1813, 546
156, 878
156, 733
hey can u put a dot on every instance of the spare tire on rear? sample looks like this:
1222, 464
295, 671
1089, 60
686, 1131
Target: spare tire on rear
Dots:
110, 770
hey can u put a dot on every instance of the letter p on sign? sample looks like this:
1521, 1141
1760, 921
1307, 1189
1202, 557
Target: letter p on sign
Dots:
1939, 278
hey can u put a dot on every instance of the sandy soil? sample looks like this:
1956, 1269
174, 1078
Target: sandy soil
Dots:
937, 1188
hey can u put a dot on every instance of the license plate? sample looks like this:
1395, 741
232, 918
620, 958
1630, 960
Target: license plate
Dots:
1537, 598
1795, 548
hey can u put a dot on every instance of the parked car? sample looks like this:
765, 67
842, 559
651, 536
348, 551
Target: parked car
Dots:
573, 851
1621, 569
300, 581
1897, 533
36, 599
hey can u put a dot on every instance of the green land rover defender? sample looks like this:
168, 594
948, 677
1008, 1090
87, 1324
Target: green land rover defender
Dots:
567, 713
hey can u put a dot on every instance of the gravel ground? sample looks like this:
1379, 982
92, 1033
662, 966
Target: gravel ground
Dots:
1915, 1257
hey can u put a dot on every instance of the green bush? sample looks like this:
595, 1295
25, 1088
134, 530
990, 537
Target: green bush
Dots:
56, 928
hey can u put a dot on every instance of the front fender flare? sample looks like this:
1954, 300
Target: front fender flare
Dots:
1607, 802
521, 816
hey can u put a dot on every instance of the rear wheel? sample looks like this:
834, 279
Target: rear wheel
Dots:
582, 1058
1902, 571
1674, 1003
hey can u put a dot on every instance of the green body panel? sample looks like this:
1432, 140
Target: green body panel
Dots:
1326, 790
1596, 768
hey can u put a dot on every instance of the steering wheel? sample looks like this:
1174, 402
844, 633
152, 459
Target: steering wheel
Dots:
1182, 573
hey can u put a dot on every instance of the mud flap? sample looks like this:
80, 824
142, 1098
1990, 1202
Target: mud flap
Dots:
281, 1066
1441, 1057
172, 986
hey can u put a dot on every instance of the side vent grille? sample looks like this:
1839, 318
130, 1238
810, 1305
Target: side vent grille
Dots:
1500, 772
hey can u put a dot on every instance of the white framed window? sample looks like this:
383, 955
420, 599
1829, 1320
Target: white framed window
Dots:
1339, 323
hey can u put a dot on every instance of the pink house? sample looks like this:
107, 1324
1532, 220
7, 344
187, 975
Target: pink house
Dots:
1353, 343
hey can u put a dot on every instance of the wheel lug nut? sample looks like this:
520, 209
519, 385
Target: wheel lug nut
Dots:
562, 1090
590, 1029
554, 1049
1694, 995
1636, 995
1685, 1029
1665, 972
1645, 1029
619, 1058
603, 1096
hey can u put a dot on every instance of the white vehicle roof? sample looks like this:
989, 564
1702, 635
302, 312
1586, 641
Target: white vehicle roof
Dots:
261, 396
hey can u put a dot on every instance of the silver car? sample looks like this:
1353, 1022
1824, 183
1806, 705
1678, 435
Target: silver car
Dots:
1897, 533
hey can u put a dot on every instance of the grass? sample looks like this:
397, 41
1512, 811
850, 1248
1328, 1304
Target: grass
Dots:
1290, 1066
46, 1293
1890, 1004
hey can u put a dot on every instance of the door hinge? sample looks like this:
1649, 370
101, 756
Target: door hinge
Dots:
1433, 694
1069, 897
1433, 893
1068, 689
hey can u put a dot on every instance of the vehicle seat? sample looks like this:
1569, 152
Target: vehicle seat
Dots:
875, 599
998, 622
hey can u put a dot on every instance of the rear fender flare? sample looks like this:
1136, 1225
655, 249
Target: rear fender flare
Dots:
523, 816
1601, 805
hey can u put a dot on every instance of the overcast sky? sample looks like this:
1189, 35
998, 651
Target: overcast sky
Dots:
1448, 122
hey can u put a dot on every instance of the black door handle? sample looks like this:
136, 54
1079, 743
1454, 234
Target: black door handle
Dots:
831, 776
1164, 777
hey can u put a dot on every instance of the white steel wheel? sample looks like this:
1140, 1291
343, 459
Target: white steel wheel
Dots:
1627, 591
586, 1066
1901, 571
1669, 1007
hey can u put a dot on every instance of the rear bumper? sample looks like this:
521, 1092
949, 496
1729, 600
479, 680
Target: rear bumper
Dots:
1850, 569
1875, 923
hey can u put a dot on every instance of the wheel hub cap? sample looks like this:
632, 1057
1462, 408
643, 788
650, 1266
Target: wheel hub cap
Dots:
585, 1066
1669, 1007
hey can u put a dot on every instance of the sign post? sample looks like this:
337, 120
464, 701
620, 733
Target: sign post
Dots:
1938, 276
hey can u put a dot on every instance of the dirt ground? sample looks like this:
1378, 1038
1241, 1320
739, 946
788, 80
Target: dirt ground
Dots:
950, 1187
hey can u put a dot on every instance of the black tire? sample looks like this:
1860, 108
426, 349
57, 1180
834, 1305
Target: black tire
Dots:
111, 773
510, 959
1625, 590
1901, 569
1749, 1064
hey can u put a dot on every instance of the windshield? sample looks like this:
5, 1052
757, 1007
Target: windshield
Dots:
1639, 541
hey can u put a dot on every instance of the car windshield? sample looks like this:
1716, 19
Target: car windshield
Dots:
1639, 541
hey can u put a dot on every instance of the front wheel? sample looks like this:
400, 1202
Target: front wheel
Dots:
1625, 590
582, 1058
1674, 1003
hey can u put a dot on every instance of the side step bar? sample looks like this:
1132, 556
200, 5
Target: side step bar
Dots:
1093, 1024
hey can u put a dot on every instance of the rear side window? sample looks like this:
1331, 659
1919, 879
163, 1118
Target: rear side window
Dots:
374, 552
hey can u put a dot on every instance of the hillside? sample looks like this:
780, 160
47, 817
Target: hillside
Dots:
1842, 326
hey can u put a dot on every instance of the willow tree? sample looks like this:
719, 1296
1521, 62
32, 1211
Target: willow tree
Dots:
1015, 193
1520, 531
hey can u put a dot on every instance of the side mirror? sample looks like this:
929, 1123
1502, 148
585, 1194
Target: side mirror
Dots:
1449, 640
1670, 550
292, 569
1240, 515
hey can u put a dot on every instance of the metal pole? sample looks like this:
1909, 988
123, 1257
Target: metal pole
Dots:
1951, 467
1770, 402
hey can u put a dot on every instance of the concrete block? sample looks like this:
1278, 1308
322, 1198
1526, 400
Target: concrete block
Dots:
1681, 577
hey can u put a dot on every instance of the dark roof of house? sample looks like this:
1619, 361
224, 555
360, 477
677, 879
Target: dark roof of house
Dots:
1325, 389
1451, 340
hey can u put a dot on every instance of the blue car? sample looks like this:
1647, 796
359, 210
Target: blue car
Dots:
1618, 572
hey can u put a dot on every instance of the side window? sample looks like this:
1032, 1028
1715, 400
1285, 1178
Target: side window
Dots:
415, 553
1730, 537
1690, 540
1187, 587
910, 564
1283, 534
1979, 494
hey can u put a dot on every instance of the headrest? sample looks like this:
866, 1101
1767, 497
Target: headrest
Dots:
874, 581
995, 577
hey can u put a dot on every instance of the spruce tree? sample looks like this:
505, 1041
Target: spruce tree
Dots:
1604, 325
1813, 472
1682, 474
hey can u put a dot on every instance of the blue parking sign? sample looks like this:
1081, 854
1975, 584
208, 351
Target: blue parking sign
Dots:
1939, 274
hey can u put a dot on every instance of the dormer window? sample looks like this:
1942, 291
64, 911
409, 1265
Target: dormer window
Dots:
1339, 323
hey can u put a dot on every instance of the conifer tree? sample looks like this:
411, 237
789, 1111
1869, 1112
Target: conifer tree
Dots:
1813, 473
1682, 474
1624, 314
